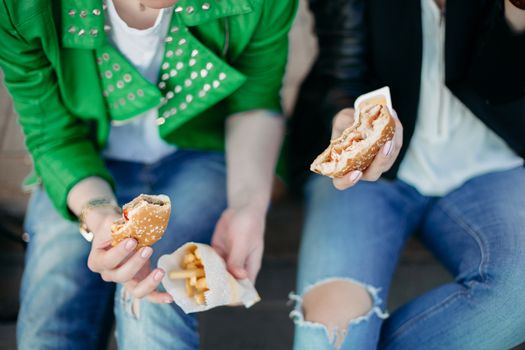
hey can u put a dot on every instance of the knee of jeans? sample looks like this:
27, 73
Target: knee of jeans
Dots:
336, 305
505, 290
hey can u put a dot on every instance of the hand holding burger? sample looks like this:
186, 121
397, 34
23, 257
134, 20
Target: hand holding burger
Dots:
363, 147
121, 250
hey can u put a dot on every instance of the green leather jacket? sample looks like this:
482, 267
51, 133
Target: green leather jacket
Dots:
68, 84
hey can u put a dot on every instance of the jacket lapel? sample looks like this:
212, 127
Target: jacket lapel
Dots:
126, 91
192, 77
197, 12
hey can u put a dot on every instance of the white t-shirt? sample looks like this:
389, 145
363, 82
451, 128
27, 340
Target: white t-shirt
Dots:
450, 144
138, 139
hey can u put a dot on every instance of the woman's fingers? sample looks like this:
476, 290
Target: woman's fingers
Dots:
122, 264
147, 287
398, 136
347, 181
159, 298
342, 120
382, 162
220, 229
253, 264
148, 284
130, 268
386, 157
102, 259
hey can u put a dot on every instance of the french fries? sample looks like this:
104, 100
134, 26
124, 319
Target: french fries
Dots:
193, 274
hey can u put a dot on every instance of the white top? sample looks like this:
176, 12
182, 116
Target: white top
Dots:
450, 144
138, 139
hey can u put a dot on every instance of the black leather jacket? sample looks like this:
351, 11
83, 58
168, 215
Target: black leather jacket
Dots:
366, 44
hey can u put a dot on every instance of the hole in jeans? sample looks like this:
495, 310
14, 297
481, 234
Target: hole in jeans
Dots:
335, 305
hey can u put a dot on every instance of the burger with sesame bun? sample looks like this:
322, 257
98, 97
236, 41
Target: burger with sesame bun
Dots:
144, 219
356, 148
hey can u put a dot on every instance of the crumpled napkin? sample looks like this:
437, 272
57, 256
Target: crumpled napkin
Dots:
224, 289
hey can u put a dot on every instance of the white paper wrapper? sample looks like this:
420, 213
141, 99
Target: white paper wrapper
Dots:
380, 95
224, 289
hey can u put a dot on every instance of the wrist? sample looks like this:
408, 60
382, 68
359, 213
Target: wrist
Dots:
95, 214
88, 189
100, 217
256, 202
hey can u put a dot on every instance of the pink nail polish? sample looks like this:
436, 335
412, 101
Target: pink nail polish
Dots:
130, 244
168, 300
388, 148
158, 275
355, 175
146, 252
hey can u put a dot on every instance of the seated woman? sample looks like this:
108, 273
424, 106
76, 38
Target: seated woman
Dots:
118, 98
457, 76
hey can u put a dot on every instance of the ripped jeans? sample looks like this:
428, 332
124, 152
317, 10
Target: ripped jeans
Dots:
66, 306
476, 231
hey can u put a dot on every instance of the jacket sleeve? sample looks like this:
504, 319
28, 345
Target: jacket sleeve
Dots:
341, 34
59, 143
263, 61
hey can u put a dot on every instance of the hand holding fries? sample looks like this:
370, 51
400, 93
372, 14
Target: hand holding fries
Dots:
198, 280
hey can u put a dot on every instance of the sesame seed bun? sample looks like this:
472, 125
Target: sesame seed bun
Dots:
144, 219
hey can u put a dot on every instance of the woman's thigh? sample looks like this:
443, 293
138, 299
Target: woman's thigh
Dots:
478, 233
196, 183
357, 233
354, 235
63, 304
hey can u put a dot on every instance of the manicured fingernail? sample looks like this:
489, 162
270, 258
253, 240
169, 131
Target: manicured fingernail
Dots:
168, 300
130, 245
157, 276
387, 148
146, 252
355, 175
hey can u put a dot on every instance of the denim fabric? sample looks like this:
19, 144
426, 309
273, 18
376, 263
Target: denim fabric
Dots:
65, 306
477, 232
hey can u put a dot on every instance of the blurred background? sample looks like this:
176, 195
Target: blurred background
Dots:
265, 326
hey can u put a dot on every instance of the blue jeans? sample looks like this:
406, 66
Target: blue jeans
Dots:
65, 306
476, 231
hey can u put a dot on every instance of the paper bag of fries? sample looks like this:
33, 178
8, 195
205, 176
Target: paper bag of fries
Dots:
197, 279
